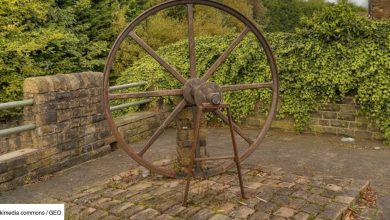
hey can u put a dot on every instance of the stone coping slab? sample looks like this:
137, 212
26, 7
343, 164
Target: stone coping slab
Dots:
271, 194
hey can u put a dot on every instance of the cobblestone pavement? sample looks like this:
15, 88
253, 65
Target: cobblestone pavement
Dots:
271, 194
304, 155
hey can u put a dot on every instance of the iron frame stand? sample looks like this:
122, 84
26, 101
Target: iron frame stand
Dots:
206, 107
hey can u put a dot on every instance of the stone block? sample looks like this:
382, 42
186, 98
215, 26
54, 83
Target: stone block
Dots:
357, 125
347, 108
44, 98
324, 129
46, 118
329, 115
339, 123
346, 132
46, 130
330, 107
348, 100
324, 122
36, 85
346, 116
44, 108
63, 115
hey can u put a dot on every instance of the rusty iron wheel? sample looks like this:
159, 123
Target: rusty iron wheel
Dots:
129, 32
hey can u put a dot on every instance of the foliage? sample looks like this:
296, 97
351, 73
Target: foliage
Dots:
284, 15
53, 36
334, 54
170, 26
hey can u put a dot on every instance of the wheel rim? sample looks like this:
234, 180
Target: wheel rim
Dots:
129, 32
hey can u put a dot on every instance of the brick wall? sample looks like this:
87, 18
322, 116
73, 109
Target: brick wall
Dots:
70, 128
380, 9
338, 118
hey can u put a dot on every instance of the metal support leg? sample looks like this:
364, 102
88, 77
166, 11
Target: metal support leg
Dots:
236, 158
195, 144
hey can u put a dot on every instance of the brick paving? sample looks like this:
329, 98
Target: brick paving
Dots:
271, 193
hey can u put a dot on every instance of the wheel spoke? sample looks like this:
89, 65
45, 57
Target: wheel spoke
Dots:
225, 54
160, 60
191, 40
236, 128
165, 124
172, 92
227, 88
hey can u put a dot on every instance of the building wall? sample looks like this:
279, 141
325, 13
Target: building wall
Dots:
380, 9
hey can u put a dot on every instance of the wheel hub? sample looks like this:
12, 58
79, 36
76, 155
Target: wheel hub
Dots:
196, 92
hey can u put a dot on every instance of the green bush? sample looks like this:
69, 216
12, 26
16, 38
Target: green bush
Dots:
335, 53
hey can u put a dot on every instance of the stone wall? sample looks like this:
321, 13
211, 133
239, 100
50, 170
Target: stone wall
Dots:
380, 9
70, 128
339, 118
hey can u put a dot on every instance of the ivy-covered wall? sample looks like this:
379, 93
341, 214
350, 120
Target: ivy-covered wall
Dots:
335, 54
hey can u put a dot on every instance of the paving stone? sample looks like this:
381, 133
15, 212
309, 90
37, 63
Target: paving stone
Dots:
101, 201
109, 204
285, 212
301, 194
272, 182
87, 199
333, 211
145, 214
316, 190
128, 194
132, 211
334, 187
203, 214
286, 185
344, 199
285, 191
302, 180
301, 216
117, 209
297, 203
259, 215
312, 208
281, 200
267, 207
189, 212
252, 202
140, 186
219, 217
317, 199
88, 211
175, 210
96, 215
330, 194
114, 193
243, 212
164, 205
164, 217
109, 217
227, 207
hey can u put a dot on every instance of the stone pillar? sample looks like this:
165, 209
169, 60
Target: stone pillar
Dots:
185, 131
68, 115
